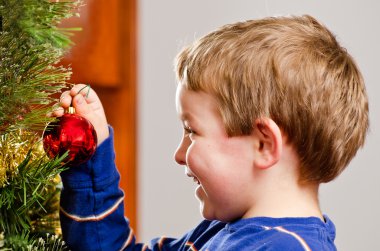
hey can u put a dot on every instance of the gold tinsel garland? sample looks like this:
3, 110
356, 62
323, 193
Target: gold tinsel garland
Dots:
14, 147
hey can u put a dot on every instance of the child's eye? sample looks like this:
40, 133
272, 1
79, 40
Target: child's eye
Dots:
188, 130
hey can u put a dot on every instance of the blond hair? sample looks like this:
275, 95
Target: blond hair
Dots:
293, 70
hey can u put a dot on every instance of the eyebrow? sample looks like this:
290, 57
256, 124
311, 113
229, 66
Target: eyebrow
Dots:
186, 116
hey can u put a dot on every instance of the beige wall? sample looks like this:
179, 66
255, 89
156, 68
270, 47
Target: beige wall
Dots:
167, 205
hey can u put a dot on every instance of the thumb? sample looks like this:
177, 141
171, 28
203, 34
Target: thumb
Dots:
81, 107
84, 109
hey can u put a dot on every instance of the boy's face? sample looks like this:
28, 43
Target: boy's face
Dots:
221, 166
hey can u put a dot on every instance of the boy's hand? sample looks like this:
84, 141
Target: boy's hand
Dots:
88, 107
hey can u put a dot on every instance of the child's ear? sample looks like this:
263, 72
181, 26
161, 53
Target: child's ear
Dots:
269, 143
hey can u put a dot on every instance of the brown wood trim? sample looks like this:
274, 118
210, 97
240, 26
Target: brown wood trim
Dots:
128, 54
93, 58
112, 26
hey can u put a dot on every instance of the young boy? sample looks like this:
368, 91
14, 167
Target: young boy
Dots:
271, 108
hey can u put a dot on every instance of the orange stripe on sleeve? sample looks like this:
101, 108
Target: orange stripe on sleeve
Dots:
191, 246
128, 241
161, 242
299, 238
93, 217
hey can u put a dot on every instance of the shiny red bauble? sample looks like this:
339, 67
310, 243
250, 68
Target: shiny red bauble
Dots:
71, 133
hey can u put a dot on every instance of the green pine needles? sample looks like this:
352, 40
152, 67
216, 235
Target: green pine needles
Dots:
31, 47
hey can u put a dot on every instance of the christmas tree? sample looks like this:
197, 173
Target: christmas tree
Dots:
31, 47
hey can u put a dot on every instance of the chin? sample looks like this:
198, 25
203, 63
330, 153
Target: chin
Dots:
206, 213
208, 217
216, 216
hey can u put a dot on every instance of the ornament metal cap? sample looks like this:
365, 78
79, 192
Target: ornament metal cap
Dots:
70, 110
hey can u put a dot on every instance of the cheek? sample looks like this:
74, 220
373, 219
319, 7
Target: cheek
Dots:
198, 158
234, 147
192, 156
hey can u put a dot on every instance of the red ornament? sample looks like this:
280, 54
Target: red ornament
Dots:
72, 133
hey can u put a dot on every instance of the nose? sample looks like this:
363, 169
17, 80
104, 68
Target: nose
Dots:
180, 153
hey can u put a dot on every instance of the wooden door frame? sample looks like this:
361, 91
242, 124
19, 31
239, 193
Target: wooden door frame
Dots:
113, 75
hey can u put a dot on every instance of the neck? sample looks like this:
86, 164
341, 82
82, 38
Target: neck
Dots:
286, 199
289, 202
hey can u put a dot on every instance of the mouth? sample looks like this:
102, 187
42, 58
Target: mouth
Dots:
195, 179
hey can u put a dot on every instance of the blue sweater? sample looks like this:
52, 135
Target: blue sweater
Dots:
92, 218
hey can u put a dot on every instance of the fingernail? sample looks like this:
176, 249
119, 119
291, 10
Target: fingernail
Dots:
80, 99
62, 98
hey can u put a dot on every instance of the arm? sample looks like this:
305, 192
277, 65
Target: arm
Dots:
92, 212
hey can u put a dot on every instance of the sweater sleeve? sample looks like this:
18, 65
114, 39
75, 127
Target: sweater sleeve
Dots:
92, 209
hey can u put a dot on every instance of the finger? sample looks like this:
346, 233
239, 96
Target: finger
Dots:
81, 106
57, 111
86, 91
65, 99
76, 88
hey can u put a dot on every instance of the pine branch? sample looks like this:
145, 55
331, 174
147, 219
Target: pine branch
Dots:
31, 45
27, 191
25, 241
